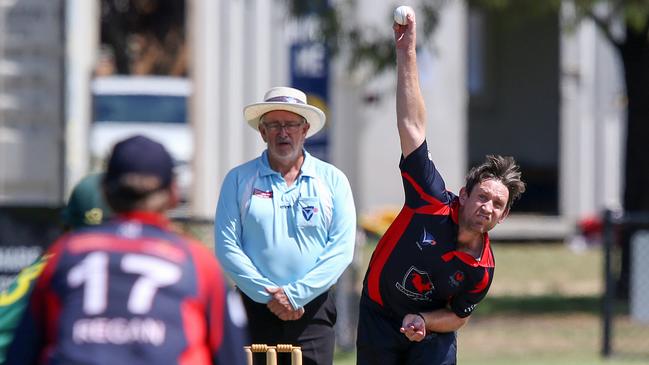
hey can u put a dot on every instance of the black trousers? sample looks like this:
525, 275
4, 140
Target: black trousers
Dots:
313, 332
379, 341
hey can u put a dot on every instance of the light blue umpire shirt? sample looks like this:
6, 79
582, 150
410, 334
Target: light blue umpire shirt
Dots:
298, 237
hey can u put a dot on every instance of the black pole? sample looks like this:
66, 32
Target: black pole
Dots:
607, 302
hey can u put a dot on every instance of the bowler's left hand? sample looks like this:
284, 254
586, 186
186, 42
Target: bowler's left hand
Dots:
414, 327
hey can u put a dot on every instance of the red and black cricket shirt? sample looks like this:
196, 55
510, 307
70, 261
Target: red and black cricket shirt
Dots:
128, 292
416, 266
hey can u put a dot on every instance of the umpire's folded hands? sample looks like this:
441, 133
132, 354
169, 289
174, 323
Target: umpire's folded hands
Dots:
281, 306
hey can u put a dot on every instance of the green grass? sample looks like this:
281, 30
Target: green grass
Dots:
544, 308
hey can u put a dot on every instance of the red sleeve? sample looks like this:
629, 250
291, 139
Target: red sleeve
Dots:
226, 338
210, 291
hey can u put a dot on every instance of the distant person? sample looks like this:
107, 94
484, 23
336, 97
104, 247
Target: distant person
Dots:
131, 291
285, 229
85, 208
434, 264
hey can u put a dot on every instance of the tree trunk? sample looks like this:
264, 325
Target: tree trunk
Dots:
635, 56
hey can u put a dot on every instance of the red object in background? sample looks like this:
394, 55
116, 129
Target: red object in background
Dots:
590, 226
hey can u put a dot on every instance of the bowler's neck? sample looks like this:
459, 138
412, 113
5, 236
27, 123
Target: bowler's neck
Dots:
471, 242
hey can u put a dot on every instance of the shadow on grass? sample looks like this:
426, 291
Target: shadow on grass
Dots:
540, 304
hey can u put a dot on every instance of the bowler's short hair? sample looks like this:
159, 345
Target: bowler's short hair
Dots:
499, 168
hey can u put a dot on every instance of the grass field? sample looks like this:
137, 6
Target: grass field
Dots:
543, 308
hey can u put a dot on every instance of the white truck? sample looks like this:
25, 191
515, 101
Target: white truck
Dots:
153, 106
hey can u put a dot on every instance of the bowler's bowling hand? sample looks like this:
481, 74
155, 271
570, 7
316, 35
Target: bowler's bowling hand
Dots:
414, 327
405, 34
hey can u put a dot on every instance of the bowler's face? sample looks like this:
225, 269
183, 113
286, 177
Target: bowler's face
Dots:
484, 207
284, 133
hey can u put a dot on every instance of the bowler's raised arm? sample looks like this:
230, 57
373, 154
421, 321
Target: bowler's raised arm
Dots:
411, 111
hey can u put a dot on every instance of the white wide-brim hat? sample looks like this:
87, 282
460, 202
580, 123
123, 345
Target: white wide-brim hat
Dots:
288, 99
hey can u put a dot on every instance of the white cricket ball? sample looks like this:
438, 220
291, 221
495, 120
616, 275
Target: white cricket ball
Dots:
400, 14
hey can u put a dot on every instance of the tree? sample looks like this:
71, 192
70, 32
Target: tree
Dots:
624, 23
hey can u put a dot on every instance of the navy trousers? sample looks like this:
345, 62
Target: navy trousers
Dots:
379, 341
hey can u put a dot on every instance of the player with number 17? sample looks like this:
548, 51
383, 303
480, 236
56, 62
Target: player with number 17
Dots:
131, 291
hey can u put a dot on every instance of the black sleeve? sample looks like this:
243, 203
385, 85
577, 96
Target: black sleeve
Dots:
465, 303
422, 183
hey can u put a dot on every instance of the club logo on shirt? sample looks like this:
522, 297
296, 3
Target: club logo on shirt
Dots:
416, 284
456, 279
307, 212
263, 194
426, 239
